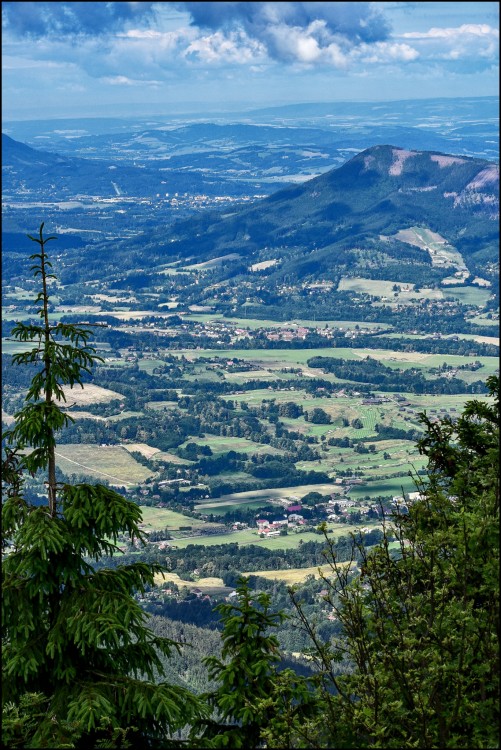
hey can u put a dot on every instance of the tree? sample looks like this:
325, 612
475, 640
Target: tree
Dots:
80, 667
319, 416
254, 703
421, 624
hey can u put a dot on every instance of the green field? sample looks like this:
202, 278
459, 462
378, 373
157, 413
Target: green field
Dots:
382, 288
296, 575
155, 519
468, 295
220, 444
256, 323
386, 487
208, 585
111, 462
276, 359
264, 496
291, 541
222, 509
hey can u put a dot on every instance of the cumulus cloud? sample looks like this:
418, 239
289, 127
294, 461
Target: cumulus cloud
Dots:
359, 21
143, 43
475, 44
467, 29
230, 48
302, 32
40, 19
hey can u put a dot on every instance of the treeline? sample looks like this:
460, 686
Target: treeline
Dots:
372, 372
428, 317
228, 561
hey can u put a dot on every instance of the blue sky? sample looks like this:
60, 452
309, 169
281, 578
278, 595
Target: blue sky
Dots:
78, 59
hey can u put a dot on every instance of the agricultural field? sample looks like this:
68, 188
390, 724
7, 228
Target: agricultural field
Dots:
145, 450
441, 253
156, 519
264, 496
89, 394
253, 324
274, 360
297, 575
104, 462
383, 488
385, 289
292, 540
210, 585
220, 445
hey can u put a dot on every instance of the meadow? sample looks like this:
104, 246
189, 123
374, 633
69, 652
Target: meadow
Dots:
109, 462
277, 359
220, 444
210, 585
265, 495
297, 575
156, 519
292, 540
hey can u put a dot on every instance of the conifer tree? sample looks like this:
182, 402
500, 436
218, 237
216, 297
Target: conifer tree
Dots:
80, 668
421, 622
254, 704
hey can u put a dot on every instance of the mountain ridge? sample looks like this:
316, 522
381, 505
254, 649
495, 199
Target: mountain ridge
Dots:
378, 193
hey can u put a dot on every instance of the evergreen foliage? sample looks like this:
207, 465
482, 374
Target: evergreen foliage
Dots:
255, 705
421, 625
80, 667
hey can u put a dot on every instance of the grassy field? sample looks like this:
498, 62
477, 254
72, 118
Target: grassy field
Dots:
382, 288
110, 462
250, 536
384, 487
89, 394
255, 323
468, 295
265, 495
277, 359
155, 519
145, 450
207, 585
296, 575
221, 444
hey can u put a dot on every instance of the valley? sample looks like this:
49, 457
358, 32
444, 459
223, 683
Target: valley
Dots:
275, 305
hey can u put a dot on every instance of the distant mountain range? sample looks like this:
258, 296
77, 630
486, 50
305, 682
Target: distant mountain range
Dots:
45, 175
368, 214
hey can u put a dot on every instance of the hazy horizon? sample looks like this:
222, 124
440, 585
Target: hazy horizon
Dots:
74, 60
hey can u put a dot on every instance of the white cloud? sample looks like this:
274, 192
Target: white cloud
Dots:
471, 43
125, 81
386, 52
220, 48
467, 29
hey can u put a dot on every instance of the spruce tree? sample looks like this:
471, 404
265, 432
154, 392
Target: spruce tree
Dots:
421, 621
80, 667
255, 705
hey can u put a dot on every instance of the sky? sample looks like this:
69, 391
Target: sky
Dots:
97, 59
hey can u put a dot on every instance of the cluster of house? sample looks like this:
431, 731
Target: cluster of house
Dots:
273, 526
300, 332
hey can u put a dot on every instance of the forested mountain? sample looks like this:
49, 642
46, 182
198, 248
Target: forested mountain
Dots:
348, 219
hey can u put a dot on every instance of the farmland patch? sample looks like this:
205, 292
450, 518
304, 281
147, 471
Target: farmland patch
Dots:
104, 462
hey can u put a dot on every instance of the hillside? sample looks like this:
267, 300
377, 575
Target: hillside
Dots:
347, 220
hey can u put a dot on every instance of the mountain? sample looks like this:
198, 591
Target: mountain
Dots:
45, 175
355, 218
